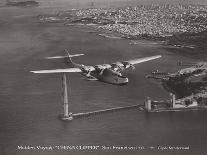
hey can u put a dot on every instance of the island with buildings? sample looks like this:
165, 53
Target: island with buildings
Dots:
188, 88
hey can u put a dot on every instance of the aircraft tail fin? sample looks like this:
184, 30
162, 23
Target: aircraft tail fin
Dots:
66, 56
69, 57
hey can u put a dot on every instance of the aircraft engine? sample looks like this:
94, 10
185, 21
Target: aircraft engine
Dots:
132, 67
103, 66
88, 69
128, 65
118, 66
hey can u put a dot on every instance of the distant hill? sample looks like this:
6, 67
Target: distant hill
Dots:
22, 3
197, 40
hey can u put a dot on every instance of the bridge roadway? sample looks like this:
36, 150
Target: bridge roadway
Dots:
76, 115
138, 107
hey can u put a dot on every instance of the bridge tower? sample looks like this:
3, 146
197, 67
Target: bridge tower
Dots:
66, 114
148, 104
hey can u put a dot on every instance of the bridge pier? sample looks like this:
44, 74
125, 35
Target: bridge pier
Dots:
173, 100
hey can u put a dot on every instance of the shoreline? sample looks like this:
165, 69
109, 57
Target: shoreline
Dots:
109, 21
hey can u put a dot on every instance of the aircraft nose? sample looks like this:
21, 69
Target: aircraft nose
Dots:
123, 81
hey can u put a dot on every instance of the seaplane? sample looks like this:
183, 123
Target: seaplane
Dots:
108, 73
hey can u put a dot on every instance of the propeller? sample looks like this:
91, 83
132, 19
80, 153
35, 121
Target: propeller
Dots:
101, 72
120, 68
88, 73
117, 67
128, 65
132, 67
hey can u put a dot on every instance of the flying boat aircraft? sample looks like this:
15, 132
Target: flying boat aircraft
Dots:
108, 73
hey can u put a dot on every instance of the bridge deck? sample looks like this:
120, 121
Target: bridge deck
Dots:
139, 107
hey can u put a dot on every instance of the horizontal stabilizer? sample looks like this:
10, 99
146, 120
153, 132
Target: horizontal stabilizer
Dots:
60, 57
67, 70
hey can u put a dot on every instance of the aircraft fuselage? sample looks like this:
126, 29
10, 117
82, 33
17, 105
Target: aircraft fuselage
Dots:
106, 75
110, 76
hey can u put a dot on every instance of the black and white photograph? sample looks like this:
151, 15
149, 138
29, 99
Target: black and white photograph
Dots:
103, 77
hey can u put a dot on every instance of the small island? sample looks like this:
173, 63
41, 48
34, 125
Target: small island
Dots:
29, 3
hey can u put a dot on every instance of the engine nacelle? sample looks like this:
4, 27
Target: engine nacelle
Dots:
87, 68
118, 66
90, 68
128, 65
103, 66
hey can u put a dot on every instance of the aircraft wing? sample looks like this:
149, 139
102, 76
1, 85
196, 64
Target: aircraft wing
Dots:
140, 60
67, 70
126, 64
